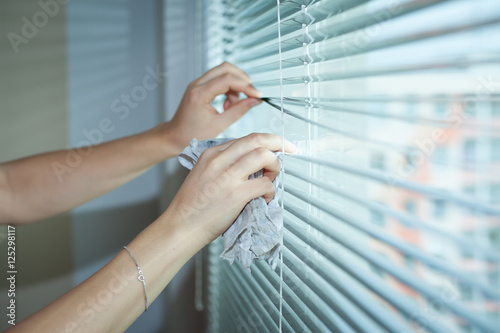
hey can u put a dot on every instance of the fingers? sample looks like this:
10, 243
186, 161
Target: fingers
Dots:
232, 97
237, 110
289, 147
257, 159
224, 68
224, 145
255, 140
224, 83
242, 157
196, 117
235, 160
259, 187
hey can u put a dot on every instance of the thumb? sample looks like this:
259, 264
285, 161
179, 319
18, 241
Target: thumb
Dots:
237, 110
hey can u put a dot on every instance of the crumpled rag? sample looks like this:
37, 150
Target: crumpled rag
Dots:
257, 232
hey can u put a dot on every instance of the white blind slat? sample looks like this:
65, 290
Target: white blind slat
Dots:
393, 199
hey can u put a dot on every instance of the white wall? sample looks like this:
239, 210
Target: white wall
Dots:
53, 93
183, 62
112, 45
32, 120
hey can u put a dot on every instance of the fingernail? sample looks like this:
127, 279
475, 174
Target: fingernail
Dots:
255, 102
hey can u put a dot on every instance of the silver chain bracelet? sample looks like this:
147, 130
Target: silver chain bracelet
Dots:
141, 278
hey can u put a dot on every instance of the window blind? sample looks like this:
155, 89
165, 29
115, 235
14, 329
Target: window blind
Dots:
392, 207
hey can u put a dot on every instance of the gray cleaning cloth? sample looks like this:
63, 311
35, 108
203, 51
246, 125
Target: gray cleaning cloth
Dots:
257, 232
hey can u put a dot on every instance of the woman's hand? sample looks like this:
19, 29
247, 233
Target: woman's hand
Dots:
218, 188
196, 118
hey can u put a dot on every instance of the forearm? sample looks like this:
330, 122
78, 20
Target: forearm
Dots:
47, 184
111, 299
212, 196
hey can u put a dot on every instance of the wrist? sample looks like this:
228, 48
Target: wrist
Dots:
171, 144
177, 224
164, 141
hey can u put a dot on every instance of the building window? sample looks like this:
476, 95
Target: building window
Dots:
439, 208
494, 277
495, 193
410, 206
377, 270
495, 236
412, 106
440, 110
495, 150
377, 161
469, 151
409, 262
440, 154
495, 111
465, 292
377, 218
470, 109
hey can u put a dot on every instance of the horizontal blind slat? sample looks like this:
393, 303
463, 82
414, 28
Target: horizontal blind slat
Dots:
438, 66
478, 206
262, 47
414, 99
292, 19
229, 309
332, 297
334, 46
413, 252
309, 317
245, 10
402, 275
486, 253
330, 319
348, 290
232, 311
358, 137
257, 282
250, 293
353, 269
236, 309
323, 105
330, 68
334, 51
266, 321
263, 280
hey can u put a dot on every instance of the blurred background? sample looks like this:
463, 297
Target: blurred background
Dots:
61, 68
